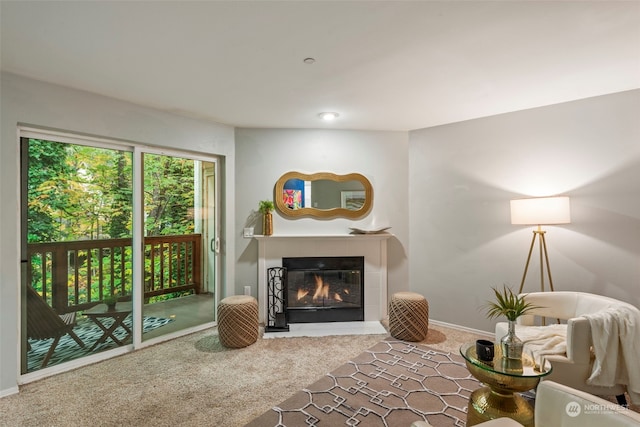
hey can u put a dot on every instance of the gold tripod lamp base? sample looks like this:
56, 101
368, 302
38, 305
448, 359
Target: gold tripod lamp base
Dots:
539, 235
539, 211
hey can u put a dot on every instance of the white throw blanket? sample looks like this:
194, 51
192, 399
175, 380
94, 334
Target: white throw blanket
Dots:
615, 332
541, 341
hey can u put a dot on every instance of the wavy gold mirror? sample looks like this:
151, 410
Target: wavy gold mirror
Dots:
323, 195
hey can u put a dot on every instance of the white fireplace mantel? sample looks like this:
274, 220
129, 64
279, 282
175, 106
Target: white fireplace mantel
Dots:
271, 250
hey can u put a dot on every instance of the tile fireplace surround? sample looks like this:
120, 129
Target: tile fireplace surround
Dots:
271, 250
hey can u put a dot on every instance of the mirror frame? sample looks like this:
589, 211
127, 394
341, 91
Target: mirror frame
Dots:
323, 213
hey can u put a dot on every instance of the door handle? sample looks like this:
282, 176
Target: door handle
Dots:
214, 245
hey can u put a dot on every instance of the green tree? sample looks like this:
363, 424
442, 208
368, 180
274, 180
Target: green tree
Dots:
120, 224
169, 195
46, 190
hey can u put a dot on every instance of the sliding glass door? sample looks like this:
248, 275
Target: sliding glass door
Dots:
85, 289
179, 243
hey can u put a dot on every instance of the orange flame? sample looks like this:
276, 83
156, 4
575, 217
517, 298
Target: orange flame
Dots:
322, 289
301, 294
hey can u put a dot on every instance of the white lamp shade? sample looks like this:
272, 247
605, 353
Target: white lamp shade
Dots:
541, 210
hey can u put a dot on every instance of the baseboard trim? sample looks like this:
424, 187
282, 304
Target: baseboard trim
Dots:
460, 328
9, 391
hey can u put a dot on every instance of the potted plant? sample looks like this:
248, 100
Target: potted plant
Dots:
266, 207
511, 306
110, 301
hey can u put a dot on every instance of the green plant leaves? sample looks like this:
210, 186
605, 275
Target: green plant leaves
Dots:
265, 206
508, 304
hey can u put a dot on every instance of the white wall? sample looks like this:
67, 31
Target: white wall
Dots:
263, 155
462, 242
26, 101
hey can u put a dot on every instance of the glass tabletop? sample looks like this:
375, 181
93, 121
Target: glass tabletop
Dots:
501, 365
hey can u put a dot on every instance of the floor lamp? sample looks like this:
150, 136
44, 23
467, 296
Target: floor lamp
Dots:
540, 211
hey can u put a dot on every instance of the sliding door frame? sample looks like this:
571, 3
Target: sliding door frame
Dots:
137, 151
138, 239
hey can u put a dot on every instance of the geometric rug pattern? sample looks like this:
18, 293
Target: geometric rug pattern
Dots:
391, 384
67, 349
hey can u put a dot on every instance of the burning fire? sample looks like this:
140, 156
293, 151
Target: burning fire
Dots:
322, 289
321, 292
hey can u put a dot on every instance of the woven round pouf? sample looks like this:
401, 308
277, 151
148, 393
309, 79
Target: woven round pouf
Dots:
238, 321
408, 316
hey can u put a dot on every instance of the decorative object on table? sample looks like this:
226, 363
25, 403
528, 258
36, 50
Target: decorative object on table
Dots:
266, 207
485, 350
511, 306
276, 300
110, 301
540, 211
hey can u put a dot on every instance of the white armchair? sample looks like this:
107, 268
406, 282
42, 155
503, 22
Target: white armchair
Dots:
573, 368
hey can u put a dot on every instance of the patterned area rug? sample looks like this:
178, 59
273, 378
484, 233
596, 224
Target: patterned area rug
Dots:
391, 384
67, 349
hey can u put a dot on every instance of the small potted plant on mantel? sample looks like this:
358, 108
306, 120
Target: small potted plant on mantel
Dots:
511, 306
266, 207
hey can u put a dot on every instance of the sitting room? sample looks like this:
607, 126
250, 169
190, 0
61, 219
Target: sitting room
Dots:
196, 132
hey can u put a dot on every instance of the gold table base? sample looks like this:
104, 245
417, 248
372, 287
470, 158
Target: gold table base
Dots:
486, 404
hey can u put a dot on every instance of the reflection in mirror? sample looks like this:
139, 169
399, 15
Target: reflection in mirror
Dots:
323, 195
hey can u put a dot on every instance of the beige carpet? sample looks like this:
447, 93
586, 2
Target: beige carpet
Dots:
393, 383
191, 381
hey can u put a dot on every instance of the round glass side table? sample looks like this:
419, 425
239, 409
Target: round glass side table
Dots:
504, 379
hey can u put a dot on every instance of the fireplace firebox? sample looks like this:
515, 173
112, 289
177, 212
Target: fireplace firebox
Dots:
325, 289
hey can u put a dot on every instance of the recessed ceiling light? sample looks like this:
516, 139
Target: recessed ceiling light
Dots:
309, 60
328, 116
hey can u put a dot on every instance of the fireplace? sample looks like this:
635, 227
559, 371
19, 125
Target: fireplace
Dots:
272, 249
325, 289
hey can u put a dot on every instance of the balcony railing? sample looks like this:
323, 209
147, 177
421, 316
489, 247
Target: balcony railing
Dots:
77, 275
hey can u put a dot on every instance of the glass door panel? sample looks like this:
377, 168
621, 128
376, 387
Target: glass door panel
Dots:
76, 251
179, 289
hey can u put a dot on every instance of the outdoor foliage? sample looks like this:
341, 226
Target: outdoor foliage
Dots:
77, 193
168, 195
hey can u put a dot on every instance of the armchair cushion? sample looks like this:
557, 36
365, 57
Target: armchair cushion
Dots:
559, 405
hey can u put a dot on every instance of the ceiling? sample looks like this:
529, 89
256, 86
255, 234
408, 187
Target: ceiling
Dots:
382, 65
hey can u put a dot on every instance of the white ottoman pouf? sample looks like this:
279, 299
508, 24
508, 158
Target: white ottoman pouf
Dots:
238, 321
408, 316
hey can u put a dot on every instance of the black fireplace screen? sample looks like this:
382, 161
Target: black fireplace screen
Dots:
325, 289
